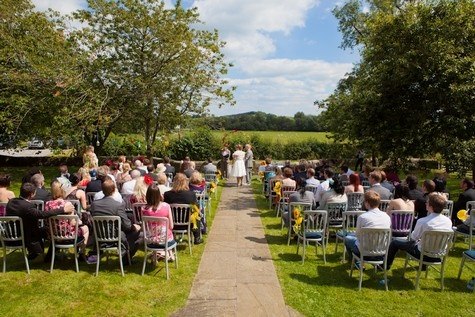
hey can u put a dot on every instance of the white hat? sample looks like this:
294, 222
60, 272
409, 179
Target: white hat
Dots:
161, 168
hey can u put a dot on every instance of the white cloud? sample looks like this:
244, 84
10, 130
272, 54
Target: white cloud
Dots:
63, 6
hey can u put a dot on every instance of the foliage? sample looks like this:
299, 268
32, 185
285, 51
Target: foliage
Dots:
152, 65
260, 121
199, 145
413, 92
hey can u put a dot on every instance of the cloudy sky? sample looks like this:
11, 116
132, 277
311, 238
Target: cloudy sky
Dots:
285, 52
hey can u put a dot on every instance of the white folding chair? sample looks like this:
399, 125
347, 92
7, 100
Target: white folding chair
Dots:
137, 212
284, 200
271, 193
355, 201
155, 231
335, 216
12, 238
181, 219
470, 205
373, 247
291, 220
401, 223
435, 244
107, 233
64, 235
312, 229
383, 204
348, 228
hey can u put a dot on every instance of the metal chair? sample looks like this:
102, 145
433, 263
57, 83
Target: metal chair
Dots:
202, 202
77, 206
449, 206
435, 244
373, 247
348, 228
335, 216
107, 233
313, 230
466, 255
90, 197
271, 193
3, 209
40, 205
355, 201
211, 177
128, 204
383, 204
181, 219
401, 223
471, 225
64, 235
291, 220
284, 200
137, 212
12, 238
155, 231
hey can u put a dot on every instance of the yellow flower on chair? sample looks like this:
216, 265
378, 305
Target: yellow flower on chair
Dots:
195, 216
297, 215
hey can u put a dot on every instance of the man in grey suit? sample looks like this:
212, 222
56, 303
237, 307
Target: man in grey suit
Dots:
108, 206
249, 163
375, 181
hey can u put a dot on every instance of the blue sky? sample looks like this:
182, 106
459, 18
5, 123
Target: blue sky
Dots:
285, 52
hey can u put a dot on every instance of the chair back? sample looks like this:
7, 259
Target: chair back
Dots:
155, 230
288, 189
210, 177
201, 199
3, 209
63, 228
401, 222
181, 214
355, 201
448, 209
303, 207
11, 230
314, 224
365, 183
436, 243
374, 241
311, 188
77, 206
349, 220
90, 198
335, 213
106, 228
128, 204
470, 205
39, 204
137, 212
383, 204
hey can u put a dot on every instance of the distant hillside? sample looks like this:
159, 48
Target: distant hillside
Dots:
261, 121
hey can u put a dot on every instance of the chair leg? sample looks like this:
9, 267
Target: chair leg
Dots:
323, 250
298, 245
166, 263
144, 261
442, 269
98, 259
76, 258
189, 241
352, 265
26, 261
304, 246
361, 273
461, 266
176, 258
119, 251
427, 271
405, 266
5, 258
53, 253
336, 244
418, 275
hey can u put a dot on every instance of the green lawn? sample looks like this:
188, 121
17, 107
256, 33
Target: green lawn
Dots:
316, 289
67, 293
280, 136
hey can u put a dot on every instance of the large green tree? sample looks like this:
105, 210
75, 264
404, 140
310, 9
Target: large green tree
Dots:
152, 66
413, 91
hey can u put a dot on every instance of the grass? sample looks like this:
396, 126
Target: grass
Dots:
284, 137
318, 289
65, 292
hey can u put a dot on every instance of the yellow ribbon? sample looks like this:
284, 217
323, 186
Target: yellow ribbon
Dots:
195, 215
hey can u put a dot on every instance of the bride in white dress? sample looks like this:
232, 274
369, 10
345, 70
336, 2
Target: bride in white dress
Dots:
239, 170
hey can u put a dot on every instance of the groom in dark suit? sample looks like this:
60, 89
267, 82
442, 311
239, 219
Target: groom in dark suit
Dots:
23, 208
108, 206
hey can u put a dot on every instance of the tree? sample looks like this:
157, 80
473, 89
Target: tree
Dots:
413, 91
152, 66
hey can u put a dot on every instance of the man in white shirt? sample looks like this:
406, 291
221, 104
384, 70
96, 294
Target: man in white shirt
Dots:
373, 218
325, 185
311, 180
128, 187
433, 221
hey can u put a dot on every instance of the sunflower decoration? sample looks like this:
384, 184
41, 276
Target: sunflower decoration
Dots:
298, 217
262, 166
219, 175
463, 215
195, 216
212, 187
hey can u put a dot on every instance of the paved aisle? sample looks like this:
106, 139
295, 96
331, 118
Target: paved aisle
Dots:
236, 276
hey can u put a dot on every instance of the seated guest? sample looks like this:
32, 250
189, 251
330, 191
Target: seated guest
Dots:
300, 175
169, 169
287, 180
401, 200
440, 183
375, 181
468, 194
74, 193
325, 185
140, 191
27, 178
364, 175
124, 176
64, 175
197, 183
373, 218
156, 207
345, 173
139, 166
354, 186
23, 208
108, 206
391, 176
187, 169
5, 194
151, 172
336, 194
162, 183
209, 168
128, 187
41, 194
181, 194
385, 183
57, 193
414, 191
95, 185
421, 203
434, 221
84, 177
115, 195
311, 180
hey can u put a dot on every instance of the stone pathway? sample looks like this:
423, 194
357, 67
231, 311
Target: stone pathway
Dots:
236, 276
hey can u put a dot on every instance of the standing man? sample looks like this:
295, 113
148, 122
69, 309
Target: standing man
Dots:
359, 159
225, 154
249, 163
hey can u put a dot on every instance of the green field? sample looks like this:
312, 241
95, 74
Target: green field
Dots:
276, 136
